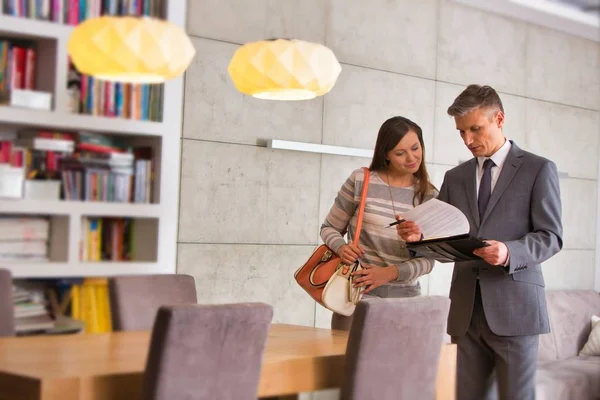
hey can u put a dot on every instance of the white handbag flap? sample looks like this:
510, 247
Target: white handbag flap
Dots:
338, 295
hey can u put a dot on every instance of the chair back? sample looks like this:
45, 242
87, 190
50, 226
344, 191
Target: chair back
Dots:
394, 347
7, 310
134, 300
207, 352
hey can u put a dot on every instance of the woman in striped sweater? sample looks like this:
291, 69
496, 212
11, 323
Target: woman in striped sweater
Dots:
399, 181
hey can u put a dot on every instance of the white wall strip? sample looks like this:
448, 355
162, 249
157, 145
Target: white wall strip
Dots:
548, 13
336, 150
319, 148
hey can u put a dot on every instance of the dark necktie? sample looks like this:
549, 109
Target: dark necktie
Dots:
485, 187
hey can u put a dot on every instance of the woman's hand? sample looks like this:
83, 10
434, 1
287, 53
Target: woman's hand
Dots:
371, 276
409, 231
349, 253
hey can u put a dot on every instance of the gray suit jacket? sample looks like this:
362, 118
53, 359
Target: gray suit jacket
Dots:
524, 212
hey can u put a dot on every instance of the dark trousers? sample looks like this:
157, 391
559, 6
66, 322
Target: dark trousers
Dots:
484, 357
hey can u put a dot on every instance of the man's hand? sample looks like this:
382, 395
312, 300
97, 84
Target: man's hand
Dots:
349, 253
495, 254
409, 231
371, 277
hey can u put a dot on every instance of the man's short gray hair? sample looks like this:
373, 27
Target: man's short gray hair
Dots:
474, 97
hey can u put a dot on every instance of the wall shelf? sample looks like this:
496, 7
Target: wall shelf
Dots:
74, 270
78, 122
32, 28
79, 208
155, 227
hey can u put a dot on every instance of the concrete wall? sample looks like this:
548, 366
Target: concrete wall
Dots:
249, 216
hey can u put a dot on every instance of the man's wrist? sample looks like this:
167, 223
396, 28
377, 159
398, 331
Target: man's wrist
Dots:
507, 261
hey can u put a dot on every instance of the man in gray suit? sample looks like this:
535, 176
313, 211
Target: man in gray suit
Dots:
511, 198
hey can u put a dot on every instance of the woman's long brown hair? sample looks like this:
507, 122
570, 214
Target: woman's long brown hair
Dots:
390, 134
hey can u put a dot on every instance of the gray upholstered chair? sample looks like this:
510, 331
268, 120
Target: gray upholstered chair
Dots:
207, 352
394, 348
134, 300
7, 311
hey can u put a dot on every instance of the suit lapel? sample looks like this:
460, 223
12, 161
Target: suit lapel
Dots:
509, 170
471, 188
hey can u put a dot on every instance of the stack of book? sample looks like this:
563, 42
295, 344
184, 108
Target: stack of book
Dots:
85, 166
31, 314
24, 239
104, 169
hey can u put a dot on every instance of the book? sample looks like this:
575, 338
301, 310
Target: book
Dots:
449, 249
445, 231
38, 323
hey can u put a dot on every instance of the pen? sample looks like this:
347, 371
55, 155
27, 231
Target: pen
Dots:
394, 223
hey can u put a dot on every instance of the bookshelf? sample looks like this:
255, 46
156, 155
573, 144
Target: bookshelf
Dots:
155, 230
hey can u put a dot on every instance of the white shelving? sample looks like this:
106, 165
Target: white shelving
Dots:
156, 233
33, 29
76, 209
66, 120
79, 269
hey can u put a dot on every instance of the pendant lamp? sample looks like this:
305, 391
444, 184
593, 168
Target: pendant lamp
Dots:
284, 69
130, 49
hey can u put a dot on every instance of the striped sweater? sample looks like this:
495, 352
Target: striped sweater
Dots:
383, 247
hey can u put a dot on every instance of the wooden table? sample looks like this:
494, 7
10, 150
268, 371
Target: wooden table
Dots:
110, 366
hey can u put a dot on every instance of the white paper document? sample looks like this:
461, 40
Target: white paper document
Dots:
438, 219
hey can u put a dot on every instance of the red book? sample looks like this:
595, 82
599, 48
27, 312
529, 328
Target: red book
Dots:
5, 151
84, 95
51, 161
56, 135
73, 12
109, 99
18, 158
18, 68
29, 69
97, 148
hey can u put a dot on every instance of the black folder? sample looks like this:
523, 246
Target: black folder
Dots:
448, 249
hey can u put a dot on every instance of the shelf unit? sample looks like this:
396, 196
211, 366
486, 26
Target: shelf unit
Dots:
156, 236
66, 120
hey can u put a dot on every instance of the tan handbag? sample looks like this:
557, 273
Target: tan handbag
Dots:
338, 294
325, 278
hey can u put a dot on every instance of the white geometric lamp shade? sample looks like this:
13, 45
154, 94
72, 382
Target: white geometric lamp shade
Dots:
284, 69
130, 49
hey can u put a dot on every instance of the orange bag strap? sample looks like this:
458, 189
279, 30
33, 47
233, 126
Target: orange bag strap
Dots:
361, 206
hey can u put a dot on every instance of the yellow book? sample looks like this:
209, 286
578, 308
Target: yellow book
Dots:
87, 300
89, 285
98, 250
108, 310
75, 302
100, 311
84, 251
83, 307
91, 232
100, 308
104, 307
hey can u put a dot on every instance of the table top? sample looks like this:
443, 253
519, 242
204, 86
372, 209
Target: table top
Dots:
84, 355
